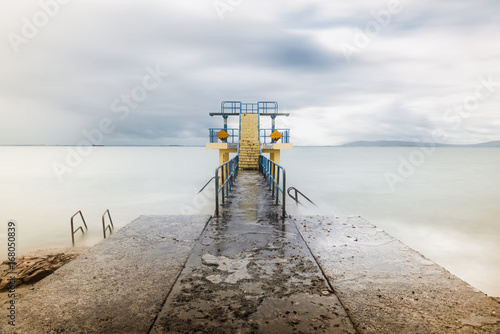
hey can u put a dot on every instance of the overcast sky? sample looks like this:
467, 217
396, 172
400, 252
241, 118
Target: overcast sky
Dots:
346, 71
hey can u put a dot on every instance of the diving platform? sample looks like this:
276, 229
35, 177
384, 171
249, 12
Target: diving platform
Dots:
249, 140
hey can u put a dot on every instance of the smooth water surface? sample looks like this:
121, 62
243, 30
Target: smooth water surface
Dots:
445, 205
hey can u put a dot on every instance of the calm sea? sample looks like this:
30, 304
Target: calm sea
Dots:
443, 203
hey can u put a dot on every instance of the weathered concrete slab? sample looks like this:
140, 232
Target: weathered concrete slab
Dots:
252, 273
118, 286
388, 287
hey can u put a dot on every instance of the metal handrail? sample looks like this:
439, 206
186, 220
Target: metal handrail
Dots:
109, 227
234, 135
274, 173
265, 133
268, 107
296, 197
206, 184
73, 231
229, 170
250, 108
230, 107
237, 107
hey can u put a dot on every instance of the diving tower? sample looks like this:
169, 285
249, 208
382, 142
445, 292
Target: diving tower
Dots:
250, 140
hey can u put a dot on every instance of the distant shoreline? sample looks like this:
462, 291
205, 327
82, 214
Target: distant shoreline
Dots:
389, 143
42, 145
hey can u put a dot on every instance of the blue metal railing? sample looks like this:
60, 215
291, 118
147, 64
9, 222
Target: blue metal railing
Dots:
237, 107
234, 135
268, 107
275, 175
249, 108
230, 107
227, 172
265, 133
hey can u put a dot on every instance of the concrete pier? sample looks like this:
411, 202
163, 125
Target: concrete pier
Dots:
252, 273
249, 271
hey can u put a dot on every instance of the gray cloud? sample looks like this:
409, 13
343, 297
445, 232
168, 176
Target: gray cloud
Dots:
430, 57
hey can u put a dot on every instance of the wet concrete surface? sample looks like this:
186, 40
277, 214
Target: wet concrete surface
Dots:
251, 272
118, 286
387, 287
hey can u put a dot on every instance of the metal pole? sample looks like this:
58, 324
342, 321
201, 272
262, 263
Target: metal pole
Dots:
277, 187
110, 220
227, 177
84, 223
284, 197
273, 168
230, 183
268, 164
72, 234
103, 227
217, 192
222, 184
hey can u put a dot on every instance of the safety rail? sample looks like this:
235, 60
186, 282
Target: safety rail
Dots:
230, 107
274, 174
237, 107
110, 226
73, 231
250, 108
227, 173
206, 184
265, 133
268, 107
296, 197
234, 135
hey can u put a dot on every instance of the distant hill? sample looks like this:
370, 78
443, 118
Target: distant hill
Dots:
488, 144
389, 143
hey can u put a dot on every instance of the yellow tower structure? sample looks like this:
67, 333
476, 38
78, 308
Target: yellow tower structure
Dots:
249, 141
